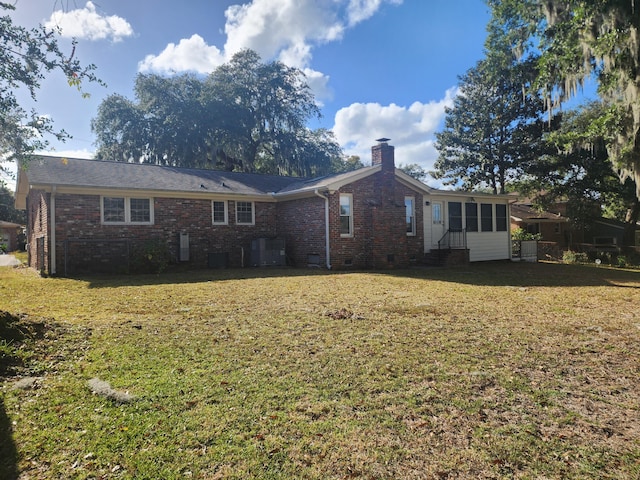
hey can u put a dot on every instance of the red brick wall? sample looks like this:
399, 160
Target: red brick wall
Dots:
38, 230
302, 224
379, 238
78, 218
379, 226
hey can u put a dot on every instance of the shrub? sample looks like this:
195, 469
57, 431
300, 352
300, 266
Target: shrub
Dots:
152, 257
575, 257
521, 234
621, 261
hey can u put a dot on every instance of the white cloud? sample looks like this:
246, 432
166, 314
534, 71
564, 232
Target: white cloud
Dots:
360, 10
411, 129
270, 27
192, 54
319, 84
86, 23
287, 30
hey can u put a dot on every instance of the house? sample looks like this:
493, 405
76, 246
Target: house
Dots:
88, 216
554, 226
551, 226
9, 235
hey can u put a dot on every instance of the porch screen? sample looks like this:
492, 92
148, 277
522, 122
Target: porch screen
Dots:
455, 216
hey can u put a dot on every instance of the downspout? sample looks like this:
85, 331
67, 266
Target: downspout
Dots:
326, 227
52, 246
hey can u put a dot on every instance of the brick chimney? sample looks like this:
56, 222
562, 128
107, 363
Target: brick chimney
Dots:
382, 154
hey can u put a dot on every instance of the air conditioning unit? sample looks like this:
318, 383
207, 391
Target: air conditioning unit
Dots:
267, 252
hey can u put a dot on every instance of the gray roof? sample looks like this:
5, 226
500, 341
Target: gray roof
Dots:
47, 172
73, 172
527, 213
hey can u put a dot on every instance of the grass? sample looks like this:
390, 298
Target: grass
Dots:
489, 371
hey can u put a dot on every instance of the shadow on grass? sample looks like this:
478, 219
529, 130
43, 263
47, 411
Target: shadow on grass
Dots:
10, 332
501, 273
8, 452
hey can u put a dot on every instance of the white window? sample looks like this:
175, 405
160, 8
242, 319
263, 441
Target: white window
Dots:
126, 210
220, 215
471, 216
501, 218
455, 216
245, 214
486, 217
410, 211
346, 215
436, 213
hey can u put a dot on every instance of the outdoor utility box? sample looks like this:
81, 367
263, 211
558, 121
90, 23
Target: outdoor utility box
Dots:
267, 252
184, 247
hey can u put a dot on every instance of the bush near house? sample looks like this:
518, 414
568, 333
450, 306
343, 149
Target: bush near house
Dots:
616, 259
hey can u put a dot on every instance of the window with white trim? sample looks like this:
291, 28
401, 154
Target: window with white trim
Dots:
486, 217
455, 216
471, 216
346, 215
220, 215
410, 211
501, 218
127, 210
436, 213
245, 214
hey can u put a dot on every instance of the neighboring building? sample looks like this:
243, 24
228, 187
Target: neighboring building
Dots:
555, 228
9, 235
86, 216
551, 226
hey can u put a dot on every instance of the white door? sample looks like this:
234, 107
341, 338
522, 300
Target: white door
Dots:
437, 222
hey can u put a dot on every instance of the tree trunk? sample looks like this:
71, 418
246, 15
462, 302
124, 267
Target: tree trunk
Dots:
631, 222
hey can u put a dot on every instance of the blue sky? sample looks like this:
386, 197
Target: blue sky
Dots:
378, 68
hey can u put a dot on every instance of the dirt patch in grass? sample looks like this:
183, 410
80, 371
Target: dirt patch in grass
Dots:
491, 371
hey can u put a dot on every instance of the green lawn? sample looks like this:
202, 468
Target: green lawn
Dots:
487, 371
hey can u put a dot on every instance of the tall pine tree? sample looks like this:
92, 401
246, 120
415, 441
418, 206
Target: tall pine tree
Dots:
495, 126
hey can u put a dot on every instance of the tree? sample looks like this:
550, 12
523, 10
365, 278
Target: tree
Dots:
7, 211
266, 104
579, 171
26, 57
579, 40
494, 127
246, 116
341, 164
168, 125
414, 170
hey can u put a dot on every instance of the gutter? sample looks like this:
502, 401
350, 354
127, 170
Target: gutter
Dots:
326, 225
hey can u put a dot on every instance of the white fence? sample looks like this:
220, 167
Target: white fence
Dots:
524, 250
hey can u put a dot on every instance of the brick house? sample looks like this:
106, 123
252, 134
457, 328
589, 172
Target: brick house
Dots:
87, 216
9, 235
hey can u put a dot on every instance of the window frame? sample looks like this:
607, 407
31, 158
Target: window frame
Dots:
456, 218
349, 197
410, 216
253, 212
502, 222
484, 219
126, 210
436, 213
471, 207
225, 205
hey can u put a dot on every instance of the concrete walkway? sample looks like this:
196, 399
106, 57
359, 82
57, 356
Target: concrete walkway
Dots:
8, 261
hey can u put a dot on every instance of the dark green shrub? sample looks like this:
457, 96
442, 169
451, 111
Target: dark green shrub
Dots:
151, 257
